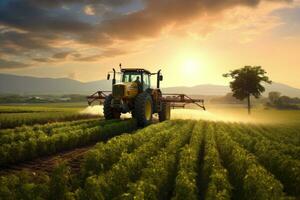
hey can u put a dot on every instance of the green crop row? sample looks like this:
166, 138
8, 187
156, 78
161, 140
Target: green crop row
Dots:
9, 136
250, 179
157, 178
24, 133
12, 120
189, 160
282, 133
104, 155
35, 108
284, 167
214, 172
68, 138
289, 135
258, 135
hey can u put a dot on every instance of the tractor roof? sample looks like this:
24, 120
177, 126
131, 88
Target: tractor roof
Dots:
135, 70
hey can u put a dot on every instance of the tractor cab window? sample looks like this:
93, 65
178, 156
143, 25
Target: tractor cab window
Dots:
146, 81
131, 77
137, 77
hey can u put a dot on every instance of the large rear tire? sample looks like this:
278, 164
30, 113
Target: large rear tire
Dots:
109, 112
143, 109
165, 112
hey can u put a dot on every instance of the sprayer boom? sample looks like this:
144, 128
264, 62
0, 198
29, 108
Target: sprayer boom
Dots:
175, 100
180, 100
99, 95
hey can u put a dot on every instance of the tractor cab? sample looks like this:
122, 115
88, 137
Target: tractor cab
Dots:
139, 76
133, 81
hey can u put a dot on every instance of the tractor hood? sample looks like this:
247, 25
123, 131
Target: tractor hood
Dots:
125, 90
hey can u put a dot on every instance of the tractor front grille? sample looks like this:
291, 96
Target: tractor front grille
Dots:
118, 91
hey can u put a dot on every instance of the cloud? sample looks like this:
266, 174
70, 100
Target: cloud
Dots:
108, 53
57, 3
27, 16
6, 64
43, 27
61, 55
21, 41
100, 10
56, 57
89, 10
42, 60
158, 14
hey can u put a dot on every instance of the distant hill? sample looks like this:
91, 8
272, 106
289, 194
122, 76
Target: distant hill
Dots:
12, 84
209, 89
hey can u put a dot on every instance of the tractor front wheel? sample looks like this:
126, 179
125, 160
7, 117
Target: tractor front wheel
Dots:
110, 112
143, 109
165, 112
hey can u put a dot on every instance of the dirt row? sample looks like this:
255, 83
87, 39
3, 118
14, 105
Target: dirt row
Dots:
46, 164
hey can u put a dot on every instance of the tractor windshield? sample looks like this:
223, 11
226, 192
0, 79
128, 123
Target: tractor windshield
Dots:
142, 78
132, 76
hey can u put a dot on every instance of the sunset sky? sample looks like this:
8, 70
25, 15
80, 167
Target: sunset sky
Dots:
192, 41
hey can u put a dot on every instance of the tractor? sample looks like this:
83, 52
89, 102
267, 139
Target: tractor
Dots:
134, 94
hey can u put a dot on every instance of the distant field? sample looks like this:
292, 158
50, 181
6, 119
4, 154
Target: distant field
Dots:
42, 107
18, 115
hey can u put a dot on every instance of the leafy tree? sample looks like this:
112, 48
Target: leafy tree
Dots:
247, 81
274, 97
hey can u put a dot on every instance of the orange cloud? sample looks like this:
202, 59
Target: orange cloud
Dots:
45, 31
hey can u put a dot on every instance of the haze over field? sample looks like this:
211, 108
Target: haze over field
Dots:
193, 42
221, 113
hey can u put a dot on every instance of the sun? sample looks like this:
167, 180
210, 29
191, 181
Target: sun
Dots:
190, 68
190, 65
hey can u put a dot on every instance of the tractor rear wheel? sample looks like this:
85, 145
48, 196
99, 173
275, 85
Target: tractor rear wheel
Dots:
110, 112
143, 109
165, 112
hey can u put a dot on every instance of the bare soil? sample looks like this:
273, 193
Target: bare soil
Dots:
46, 164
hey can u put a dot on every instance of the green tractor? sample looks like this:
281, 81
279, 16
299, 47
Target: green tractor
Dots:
134, 94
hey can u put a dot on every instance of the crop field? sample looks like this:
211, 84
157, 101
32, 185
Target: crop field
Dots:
176, 159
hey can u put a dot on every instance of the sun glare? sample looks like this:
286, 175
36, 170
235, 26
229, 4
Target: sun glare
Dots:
190, 68
190, 65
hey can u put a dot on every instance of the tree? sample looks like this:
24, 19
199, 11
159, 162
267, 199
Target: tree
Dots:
247, 81
285, 100
274, 97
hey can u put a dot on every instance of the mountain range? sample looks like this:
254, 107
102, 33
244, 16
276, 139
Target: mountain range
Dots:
26, 85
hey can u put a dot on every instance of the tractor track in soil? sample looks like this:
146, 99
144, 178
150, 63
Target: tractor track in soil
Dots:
46, 164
